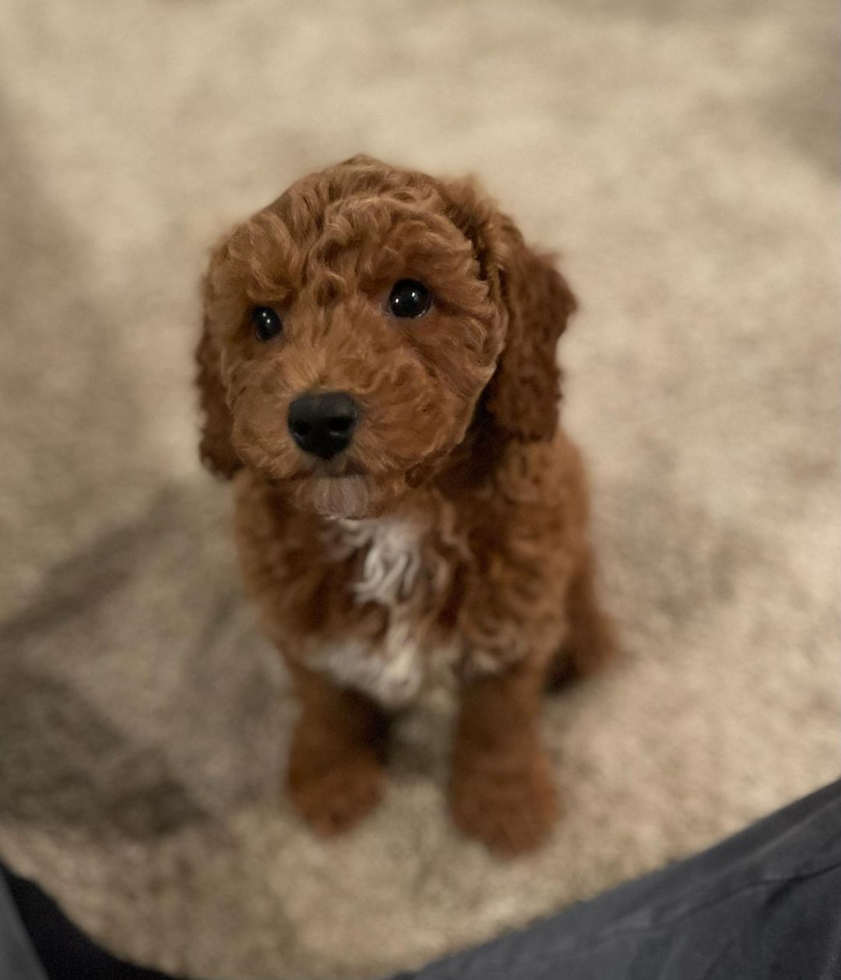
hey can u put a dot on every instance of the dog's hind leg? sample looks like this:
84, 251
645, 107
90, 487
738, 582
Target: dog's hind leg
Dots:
590, 642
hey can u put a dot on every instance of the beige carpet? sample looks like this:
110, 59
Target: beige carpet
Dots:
684, 157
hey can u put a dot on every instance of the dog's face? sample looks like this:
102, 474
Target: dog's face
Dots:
351, 328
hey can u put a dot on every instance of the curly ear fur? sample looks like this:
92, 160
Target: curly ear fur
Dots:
524, 392
215, 447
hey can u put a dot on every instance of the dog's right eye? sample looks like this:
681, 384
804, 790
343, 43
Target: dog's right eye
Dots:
267, 324
409, 299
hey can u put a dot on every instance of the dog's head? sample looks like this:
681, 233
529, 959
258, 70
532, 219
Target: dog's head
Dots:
352, 327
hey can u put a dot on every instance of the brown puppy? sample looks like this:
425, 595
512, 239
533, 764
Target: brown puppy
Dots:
377, 368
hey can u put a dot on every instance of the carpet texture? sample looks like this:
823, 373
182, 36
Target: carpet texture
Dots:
684, 159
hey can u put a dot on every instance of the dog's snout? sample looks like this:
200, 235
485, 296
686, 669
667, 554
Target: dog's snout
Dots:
322, 423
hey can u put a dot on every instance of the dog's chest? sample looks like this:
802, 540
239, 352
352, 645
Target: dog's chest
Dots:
395, 568
393, 559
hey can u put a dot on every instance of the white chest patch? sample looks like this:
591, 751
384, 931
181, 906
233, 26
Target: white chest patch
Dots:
392, 560
395, 670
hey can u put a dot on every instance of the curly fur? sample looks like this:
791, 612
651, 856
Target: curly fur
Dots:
451, 537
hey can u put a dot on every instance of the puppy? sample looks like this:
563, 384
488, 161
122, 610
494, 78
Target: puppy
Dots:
377, 373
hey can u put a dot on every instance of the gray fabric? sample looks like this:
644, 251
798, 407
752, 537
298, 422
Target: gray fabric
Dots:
765, 905
18, 960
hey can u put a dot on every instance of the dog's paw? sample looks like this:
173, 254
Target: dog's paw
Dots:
334, 799
510, 809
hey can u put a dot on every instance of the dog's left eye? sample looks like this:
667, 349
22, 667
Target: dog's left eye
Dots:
409, 298
266, 322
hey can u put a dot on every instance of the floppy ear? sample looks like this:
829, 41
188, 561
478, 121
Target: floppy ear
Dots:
215, 447
524, 392
477, 218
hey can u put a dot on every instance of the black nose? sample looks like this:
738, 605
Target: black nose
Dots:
322, 423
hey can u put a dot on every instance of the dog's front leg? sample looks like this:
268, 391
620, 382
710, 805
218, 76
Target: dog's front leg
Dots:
336, 771
501, 789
